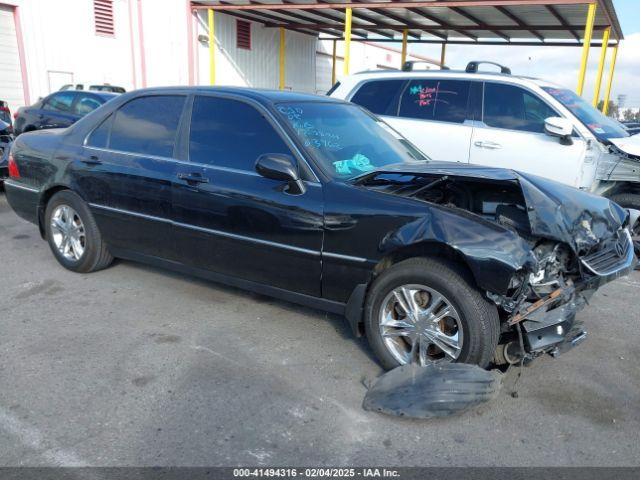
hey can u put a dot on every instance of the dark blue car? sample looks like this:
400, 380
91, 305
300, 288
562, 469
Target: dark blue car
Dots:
59, 110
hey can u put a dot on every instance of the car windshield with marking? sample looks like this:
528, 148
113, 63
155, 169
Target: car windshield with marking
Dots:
345, 140
600, 125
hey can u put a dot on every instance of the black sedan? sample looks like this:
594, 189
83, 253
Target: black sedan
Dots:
58, 110
316, 201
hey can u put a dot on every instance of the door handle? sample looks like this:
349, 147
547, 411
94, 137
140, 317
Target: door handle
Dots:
489, 145
92, 160
193, 178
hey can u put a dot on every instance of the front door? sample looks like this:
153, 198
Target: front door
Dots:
511, 135
235, 222
126, 173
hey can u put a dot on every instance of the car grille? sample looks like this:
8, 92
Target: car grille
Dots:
613, 257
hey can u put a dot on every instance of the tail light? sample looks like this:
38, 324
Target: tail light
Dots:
13, 168
15, 115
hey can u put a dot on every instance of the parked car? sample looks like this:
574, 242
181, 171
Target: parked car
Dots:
508, 121
316, 201
58, 110
632, 127
6, 139
5, 113
104, 87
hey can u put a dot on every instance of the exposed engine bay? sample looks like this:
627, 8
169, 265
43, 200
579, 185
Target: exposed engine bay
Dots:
538, 309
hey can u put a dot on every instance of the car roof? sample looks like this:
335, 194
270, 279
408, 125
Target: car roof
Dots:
454, 74
259, 94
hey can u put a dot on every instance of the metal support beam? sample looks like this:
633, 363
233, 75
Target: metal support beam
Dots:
212, 47
403, 56
333, 62
347, 40
282, 53
603, 59
612, 69
588, 33
443, 55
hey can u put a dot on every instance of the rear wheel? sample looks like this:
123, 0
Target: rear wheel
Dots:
427, 311
73, 235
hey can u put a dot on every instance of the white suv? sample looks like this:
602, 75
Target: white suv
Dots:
507, 121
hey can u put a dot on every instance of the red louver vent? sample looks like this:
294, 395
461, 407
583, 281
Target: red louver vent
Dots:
243, 34
103, 15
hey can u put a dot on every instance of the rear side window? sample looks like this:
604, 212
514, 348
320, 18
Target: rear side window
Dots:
86, 104
513, 108
147, 125
229, 133
439, 100
380, 96
60, 102
100, 136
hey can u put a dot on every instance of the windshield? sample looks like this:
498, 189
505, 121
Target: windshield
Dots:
601, 126
345, 140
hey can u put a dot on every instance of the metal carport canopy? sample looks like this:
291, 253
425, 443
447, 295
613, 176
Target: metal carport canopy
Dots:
460, 22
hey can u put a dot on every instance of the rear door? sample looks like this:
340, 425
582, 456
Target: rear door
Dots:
233, 221
127, 170
511, 135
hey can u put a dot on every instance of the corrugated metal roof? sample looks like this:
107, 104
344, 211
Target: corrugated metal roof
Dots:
459, 21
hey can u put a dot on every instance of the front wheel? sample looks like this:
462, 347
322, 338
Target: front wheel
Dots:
73, 235
426, 311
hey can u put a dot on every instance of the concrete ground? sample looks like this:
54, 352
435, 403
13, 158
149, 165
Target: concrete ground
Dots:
138, 366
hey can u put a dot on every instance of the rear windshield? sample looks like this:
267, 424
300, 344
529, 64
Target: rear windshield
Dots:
600, 125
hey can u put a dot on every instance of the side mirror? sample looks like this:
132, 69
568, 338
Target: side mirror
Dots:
278, 166
559, 127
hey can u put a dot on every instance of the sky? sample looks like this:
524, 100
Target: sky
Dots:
561, 64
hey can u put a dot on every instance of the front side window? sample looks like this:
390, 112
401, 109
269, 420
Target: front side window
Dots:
439, 100
380, 96
229, 133
86, 104
600, 125
147, 125
344, 140
514, 108
60, 102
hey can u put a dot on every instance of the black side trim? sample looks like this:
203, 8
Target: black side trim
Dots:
287, 295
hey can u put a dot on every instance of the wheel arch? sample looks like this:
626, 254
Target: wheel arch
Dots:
354, 310
42, 205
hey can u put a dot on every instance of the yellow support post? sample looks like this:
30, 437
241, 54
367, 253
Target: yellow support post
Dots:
212, 48
588, 33
443, 54
333, 63
607, 95
603, 58
403, 56
347, 40
282, 53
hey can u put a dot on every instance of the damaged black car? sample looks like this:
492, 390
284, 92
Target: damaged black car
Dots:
316, 201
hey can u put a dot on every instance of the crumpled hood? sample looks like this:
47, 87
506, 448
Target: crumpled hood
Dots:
629, 145
556, 211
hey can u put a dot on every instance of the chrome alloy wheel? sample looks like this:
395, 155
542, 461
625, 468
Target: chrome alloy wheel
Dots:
420, 324
67, 231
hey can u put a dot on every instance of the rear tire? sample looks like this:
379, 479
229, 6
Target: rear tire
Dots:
73, 235
475, 317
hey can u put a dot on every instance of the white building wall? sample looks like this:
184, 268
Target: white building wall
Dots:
258, 67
